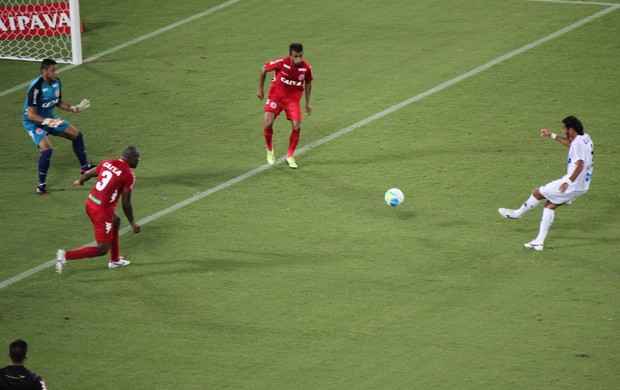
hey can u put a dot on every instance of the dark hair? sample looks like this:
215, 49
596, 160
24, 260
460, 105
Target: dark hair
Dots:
18, 350
46, 63
574, 123
298, 47
130, 152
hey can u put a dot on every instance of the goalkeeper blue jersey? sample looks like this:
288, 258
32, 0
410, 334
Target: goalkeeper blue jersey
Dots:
43, 97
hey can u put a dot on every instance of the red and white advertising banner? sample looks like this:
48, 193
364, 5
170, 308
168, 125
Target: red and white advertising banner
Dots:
28, 21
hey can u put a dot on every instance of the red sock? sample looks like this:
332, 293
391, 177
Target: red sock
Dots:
268, 137
292, 143
115, 247
82, 253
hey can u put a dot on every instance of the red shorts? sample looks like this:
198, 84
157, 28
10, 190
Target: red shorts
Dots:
290, 106
103, 221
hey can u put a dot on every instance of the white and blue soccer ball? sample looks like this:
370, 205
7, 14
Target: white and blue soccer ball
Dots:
394, 197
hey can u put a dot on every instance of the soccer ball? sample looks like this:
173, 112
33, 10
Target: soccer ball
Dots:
394, 197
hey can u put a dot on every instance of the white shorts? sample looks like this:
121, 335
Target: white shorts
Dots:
551, 191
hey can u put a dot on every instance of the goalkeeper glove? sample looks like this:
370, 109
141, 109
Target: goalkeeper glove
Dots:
84, 104
53, 123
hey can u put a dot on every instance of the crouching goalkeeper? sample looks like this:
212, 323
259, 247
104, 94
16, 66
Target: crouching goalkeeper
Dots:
44, 94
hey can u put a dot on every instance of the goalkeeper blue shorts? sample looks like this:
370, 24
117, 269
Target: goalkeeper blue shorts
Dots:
37, 131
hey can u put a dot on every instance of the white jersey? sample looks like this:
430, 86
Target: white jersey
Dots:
581, 148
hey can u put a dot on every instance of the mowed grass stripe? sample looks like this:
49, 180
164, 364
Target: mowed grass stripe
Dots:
334, 135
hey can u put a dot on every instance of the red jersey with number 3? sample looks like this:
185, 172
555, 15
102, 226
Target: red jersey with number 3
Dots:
112, 177
288, 80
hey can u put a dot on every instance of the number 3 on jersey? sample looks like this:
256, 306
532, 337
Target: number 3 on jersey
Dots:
104, 179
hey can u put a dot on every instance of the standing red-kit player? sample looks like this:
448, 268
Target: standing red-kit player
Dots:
287, 87
115, 178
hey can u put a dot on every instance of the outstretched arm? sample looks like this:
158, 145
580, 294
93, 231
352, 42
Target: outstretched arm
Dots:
84, 104
64, 106
563, 140
85, 177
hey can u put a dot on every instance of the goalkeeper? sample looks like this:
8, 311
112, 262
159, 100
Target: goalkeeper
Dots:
39, 120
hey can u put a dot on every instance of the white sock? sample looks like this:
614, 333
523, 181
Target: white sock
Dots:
545, 224
529, 204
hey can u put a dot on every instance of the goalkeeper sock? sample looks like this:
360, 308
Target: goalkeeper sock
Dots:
80, 150
45, 160
292, 143
529, 205
268, 137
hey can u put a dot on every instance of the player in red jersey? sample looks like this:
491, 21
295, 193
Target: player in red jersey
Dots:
287, 87
114, 178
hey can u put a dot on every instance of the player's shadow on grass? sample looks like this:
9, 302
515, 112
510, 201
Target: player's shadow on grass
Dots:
94, 26
581, 242
378, 158
56, 189
199, 179
155, 269
405, 215
197, 264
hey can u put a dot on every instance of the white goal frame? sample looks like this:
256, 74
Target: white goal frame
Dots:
37, 48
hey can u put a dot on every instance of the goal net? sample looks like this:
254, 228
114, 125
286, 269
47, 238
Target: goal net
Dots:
33, 30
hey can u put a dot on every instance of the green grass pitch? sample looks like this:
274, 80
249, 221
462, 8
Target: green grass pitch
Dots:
306, 279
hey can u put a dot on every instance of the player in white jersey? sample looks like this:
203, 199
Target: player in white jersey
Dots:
571, 186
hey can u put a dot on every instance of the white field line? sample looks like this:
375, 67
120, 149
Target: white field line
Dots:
578, 2
338, 133
132, 42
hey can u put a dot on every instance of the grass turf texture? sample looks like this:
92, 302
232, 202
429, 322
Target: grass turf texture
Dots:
306, 279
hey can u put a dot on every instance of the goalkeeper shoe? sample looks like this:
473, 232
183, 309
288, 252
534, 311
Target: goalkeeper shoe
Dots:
87, 168
271, 157
120, 263
291, 162
532, 245
42, 189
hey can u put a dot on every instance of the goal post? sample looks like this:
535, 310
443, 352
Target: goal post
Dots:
32, 30
76, 37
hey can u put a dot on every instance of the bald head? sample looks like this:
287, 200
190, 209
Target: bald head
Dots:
131, 155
